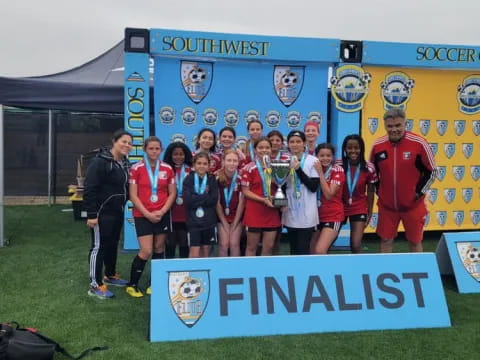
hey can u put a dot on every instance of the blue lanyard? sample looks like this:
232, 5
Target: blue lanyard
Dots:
179, 180
153, 177
351, 184
319, 192
200, 188
266, 191
297, 179
228, 190
252, 153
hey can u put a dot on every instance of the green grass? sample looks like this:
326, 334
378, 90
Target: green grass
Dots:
44, 281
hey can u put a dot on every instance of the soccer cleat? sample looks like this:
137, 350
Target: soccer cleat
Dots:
101, 292
115, 280
149, 290
133, 291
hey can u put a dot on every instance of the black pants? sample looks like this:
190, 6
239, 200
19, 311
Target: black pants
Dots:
299, 240
105, 236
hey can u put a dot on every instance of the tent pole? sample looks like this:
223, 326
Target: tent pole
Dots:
50, 139
2, 154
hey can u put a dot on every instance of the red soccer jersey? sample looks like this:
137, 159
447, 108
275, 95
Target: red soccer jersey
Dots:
139, 176
332, 210
359, 199
235, 198
257, 214
178, 211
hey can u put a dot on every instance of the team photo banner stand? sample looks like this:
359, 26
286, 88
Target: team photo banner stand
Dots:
459, 254
209, 298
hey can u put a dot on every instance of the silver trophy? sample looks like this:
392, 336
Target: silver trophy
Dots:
280, 171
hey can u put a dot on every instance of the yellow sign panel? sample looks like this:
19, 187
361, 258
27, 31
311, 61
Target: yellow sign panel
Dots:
444, 107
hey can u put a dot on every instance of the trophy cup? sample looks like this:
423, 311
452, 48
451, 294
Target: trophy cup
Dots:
280, 172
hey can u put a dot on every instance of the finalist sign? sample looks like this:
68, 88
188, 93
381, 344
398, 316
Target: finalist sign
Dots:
227, 297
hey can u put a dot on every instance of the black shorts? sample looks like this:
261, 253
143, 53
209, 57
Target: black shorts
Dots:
179, 226
262, 229
202, 237
355, 218
335, 225
144, 227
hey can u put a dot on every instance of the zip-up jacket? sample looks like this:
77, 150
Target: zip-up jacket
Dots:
106, 185
207, 201
406, 169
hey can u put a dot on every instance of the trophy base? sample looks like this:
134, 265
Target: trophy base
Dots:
280, 202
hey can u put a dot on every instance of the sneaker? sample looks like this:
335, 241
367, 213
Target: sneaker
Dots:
149, 290
133, 291
115, 280
101, 292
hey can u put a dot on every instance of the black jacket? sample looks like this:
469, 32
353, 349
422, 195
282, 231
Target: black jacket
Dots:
106, 185
208, 201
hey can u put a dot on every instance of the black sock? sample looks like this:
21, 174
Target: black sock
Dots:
184, 252
138, 264
156, 256
170, 251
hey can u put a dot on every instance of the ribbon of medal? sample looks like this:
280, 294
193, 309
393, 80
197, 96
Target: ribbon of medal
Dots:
153, 177
200, 189
352, 183
228, 192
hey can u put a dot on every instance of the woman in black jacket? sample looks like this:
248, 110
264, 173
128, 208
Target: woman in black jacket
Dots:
105, 195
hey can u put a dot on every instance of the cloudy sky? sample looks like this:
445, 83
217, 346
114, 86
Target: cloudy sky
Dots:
49, 36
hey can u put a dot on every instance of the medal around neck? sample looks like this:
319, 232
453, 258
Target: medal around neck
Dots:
179, 200
154, 198
280, 171
200, 213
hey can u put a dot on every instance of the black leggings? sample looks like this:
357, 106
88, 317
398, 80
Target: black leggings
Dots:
299, 239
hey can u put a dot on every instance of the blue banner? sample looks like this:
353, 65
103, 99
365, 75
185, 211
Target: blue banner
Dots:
255, 296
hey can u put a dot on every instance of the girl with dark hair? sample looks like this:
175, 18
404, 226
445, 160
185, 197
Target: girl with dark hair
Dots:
330, 211
152, 192
230, 205
226, 138
106, 191
179, 157
206, 142
361, 177
276, 138
254, 128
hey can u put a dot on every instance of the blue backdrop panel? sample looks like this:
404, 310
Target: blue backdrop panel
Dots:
211, 298
459, 253
237, 89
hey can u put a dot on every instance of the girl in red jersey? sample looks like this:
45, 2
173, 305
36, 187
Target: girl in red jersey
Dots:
226, 138
179, 157
312, 131
261, 218
230, 205
330, 212
254, 128
361, 177
206, 142
152, 191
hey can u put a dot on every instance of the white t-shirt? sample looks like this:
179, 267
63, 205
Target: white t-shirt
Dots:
302, 212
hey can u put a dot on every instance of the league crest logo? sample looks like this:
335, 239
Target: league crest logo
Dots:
272, 119
231, 117
409, 124
189, 292
178, 138
467, 149
427, 220
475, 172
314, 116
467, 194
251, 115
288, 83
424, 126
432, 195
210, 117
475, 216
449, 149
241, 141
441, 172
189, 116
135, 77
449, 194
458, 172
468, 95
434, 147
476, 127
373, 220
196, 79
372, 125
458, 217
396, 90
469, 253
167, 115
349, 87
441, 217
293, 119
442, 126
459, 126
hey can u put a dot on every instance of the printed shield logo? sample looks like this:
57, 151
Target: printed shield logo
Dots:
210, 117
459, 126
241, 141
178, 138
231, 117
467, 149
441, 217
396, 90
441, 172
469, 253
476, 127
272, 119
293, 119
467, 194
189, 292
288, 83
468, 95
475, 216
409, 124
432, 195
424, 126
458, 217
449, 194
434, 147
314, 116
188, 116
475, 172
449, 149
372, 125
167, 115
349, 87
374, 220
251, 115
442, 126
196, 79
458, 172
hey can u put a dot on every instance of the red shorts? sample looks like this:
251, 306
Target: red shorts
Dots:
413, 221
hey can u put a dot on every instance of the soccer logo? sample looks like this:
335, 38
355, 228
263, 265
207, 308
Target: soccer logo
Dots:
178, 138
167, 115
272, 119
241, 141
434, 147
231, 117
458, 172
441, 172
475, 216
432, 195
396, 90
441, 217
468, 95
251, 115
459, 126
314, 116
467, 149
449, 149
196, 79
475, 172
188, 116
424, 126
293, 119
442, 126
458, 217
476, 127
372, 125
374, 220
349, 87
449, 194
210, 117
288, 83
467, 194
409, 124
469, 253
